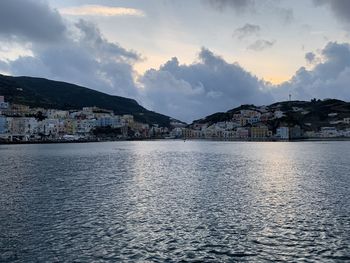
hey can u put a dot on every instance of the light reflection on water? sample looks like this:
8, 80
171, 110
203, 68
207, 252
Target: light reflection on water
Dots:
173, 200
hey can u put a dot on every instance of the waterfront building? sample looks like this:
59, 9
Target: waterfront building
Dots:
3, 125
295, 132
22, 125
328, 132
22, 128
85, 126
50, 127
311, 134
345, 133
259, 132
219, 132
187, 133
196, 134
70, 126
282, 133
229, 135
176, 132
242, 133
3, 104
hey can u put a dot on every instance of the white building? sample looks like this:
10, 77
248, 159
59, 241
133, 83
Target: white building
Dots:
50, 127
282, 133
57, 114
278, 114
328, 132
3, 105
23, 126
176, 132
3, 125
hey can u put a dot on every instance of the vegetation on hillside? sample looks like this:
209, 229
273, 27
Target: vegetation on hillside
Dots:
39, 92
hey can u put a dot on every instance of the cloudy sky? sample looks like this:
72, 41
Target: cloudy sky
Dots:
186, 59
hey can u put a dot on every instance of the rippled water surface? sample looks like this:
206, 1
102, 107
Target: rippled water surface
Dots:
171, 201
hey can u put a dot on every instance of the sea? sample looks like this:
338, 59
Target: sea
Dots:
175, 201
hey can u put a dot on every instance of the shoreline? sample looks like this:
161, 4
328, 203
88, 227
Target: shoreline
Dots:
188, 139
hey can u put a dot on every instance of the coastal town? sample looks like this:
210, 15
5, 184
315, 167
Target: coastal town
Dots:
21, 123
326, 119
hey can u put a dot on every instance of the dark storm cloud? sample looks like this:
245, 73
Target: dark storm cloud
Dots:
341, 8
30, 20
193, 91
3, 67
93, 38
246, 31
260, 45
271, 7
237, 5
76, 53
88, 59
310, 57
328, 79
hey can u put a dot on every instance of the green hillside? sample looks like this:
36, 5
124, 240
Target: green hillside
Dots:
39, 92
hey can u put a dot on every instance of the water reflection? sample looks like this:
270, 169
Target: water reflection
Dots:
173, 201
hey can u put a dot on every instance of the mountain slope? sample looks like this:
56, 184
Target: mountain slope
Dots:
39, 92
309, 115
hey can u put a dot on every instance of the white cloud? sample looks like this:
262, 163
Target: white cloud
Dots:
209, 85
99, 10
329, 78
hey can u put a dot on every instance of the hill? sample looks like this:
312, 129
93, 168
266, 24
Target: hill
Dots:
309, 115
40, 92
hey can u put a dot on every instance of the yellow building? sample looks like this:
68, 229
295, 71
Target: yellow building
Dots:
243, 121
70, 126
260, 132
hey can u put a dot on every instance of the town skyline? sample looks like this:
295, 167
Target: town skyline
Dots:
327, 119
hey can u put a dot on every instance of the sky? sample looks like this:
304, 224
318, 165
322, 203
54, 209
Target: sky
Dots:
185, 59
